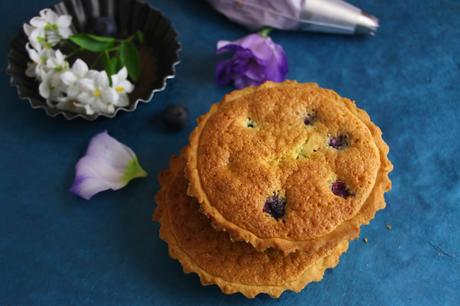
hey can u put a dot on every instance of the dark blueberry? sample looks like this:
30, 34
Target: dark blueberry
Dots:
340, 189
338, 142
310, 119
104, 26
275, 206
250, 123
175, 117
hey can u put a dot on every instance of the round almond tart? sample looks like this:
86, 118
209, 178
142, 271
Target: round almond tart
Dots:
232, 266
289, 166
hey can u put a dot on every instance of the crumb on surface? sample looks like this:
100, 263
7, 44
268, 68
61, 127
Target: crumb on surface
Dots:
365, 240
389, 226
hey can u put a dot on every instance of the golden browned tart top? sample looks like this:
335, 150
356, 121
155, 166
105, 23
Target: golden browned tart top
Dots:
285, 164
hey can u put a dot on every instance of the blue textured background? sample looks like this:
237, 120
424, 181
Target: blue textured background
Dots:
56, 249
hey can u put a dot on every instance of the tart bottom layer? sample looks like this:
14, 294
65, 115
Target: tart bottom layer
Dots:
232, 266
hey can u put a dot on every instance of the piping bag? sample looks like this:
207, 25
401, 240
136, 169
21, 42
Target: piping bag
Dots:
328, 16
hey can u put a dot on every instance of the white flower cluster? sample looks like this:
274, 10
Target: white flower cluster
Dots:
76, 88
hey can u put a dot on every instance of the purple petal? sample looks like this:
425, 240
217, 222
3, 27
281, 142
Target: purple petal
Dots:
226, 46
244, 81
105, 166
87, 187
251, 42
261, 47
277, 68
223, 72
234, 68
255, 60
105, 146
94, 174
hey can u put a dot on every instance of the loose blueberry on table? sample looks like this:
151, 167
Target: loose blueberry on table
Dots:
175, 117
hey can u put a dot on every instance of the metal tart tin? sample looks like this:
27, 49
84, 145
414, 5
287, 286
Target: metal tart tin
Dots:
159, 55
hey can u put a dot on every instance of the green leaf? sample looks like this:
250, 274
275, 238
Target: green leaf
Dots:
140, 37
109, 65
85, 42
129, 57
102, 38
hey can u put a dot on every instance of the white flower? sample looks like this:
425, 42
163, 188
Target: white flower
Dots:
28, 29
51, 87
36, 36
48, 29
122, 86
78, 88
57, 62
49, 73
72, 78
53, 23
107, 164
90, 89
97, 93
39, 58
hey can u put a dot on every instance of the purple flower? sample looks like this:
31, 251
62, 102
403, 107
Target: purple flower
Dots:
256, 59
107, 164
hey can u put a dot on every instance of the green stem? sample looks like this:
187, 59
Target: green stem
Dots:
97, 59
74, 52
265, 31
127, 39
108, 69
113, 49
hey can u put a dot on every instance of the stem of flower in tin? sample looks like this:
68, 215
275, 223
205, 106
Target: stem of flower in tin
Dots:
74, 52
127, 54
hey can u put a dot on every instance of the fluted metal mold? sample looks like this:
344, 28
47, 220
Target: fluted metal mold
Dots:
130, 16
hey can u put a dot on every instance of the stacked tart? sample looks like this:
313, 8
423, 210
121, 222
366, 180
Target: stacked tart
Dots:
275, 182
